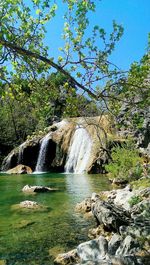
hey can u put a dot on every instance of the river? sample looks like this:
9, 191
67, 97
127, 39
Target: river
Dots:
35, 238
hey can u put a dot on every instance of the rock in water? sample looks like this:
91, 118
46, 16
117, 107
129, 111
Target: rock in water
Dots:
20, 169
30, 189
29, 206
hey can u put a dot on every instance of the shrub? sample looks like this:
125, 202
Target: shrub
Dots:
135, 200
126, 163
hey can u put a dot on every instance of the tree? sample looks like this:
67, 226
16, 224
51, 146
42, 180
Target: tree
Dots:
84, 61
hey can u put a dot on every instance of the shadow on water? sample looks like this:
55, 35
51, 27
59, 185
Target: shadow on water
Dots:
30, 237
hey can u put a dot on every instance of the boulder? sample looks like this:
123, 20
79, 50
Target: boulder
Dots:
93, 250
128, 246
20, 169
110, 215
31, 189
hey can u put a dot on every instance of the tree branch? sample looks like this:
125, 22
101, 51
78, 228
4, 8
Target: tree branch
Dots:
24, 52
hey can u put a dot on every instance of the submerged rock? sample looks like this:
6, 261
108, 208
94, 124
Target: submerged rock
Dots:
32, 189
20, 169
29, 205
23, 224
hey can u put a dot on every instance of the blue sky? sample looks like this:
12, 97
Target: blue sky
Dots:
134, 15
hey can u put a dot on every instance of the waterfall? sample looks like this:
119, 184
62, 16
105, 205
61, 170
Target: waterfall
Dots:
40, 166
7, 162
79, 151
20, 154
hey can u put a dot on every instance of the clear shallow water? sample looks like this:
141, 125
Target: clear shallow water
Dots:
35, 238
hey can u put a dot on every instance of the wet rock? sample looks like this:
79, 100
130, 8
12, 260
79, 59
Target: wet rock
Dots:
32, 189
20, 169
93, 250
68, 258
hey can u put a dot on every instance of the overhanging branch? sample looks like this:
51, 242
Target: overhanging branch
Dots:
24, 52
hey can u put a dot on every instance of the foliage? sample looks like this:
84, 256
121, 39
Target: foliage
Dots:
132, 92
84, 60
126, 163
31, 106
135, 200
141, 183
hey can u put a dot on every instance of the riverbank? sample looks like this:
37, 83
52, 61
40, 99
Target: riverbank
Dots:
122, 234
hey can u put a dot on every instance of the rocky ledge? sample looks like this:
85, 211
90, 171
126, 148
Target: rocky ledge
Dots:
122, 235
20, 169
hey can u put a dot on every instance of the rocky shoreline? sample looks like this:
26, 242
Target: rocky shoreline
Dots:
122, 235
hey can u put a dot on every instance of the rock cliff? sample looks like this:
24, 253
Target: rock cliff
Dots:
73, 145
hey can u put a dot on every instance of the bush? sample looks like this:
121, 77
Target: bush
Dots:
126, 163
135, 200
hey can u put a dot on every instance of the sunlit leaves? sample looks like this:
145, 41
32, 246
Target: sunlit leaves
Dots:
22, 24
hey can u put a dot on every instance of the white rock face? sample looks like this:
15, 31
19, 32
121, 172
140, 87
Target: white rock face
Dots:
79, 151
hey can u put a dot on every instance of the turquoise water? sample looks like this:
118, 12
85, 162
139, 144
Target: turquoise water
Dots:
35, 238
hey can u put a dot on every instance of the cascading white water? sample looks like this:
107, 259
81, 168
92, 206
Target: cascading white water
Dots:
7, 164
20, 154
42, 154
79, 151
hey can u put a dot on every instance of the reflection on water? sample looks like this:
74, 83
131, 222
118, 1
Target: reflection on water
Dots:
36, 237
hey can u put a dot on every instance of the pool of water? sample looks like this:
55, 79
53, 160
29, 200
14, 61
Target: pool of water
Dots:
35, 238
